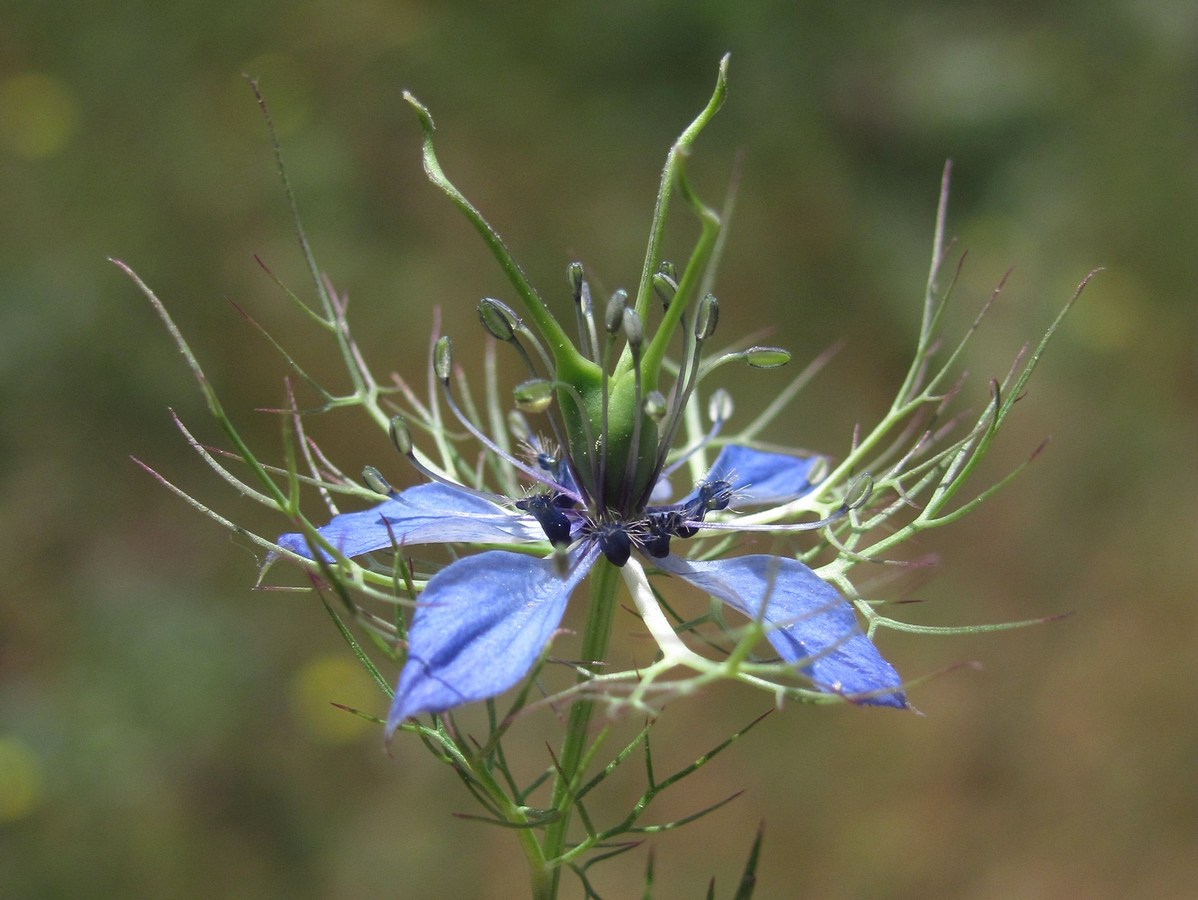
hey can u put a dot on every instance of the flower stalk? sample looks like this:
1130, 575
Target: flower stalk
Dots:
596, 634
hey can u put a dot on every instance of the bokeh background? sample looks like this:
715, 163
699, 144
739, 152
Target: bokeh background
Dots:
165, 729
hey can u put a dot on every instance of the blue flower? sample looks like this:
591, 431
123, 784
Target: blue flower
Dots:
615, 401
482, 622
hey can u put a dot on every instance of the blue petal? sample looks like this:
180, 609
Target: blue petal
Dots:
480, 625
425, 514
806, 620
760, 477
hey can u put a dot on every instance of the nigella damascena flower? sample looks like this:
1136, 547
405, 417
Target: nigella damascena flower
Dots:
600, 495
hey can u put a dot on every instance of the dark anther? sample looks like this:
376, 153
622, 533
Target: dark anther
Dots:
401, 435
665, 288
549, 515
659, 528
615, 543
706, 317
575, 277
634, 330
613, 315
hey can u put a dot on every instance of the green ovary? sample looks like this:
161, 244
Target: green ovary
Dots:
614, 493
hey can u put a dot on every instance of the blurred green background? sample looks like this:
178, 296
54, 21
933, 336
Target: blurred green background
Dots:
164, 729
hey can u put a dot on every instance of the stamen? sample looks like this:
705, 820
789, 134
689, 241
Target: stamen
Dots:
719, 410
583, 310
534, 395
502, 323
539, 394
706, 318
540, 450
376, 482
498, 320
506, 457
755, 357
401, 437
665, 287
672, 647
613, 315
442, 365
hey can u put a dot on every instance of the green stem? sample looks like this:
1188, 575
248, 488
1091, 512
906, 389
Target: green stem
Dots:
542, 879
681, 147
568, 361
605, 579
